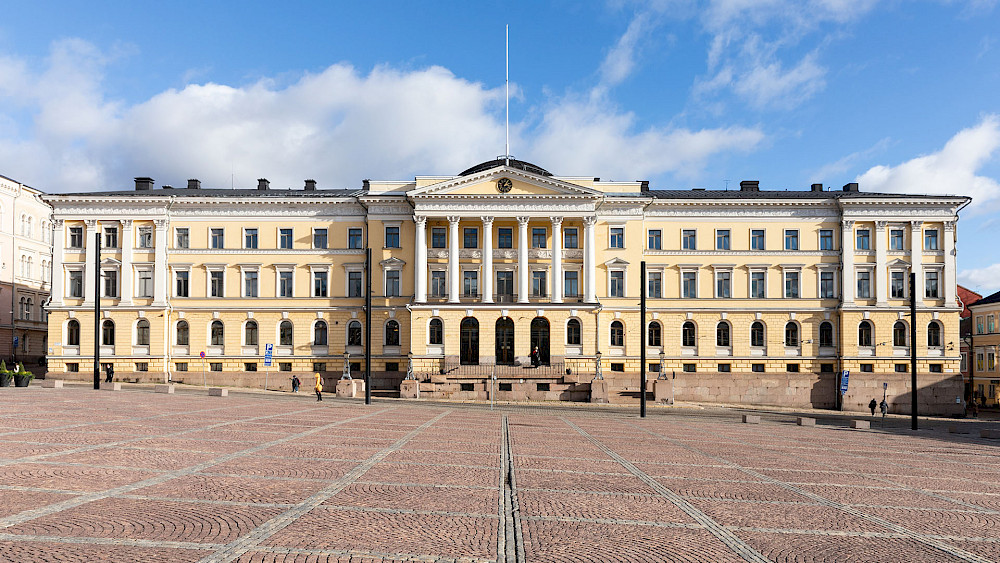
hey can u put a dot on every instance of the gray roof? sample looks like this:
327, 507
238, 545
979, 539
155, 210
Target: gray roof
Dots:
987, 300
221, 192
777, 194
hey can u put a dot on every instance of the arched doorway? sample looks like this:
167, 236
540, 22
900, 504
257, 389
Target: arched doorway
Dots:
470, 341
505, 341
540, 338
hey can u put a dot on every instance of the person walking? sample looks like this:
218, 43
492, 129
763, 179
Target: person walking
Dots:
884, 407
872, 406
109, 371
296, 383
319, 387
535, 359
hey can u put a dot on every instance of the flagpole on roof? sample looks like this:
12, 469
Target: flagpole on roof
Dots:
506, 148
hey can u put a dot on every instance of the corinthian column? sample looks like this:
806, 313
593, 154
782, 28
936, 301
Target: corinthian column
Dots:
487, 285
454, 274
522, 260
420, 273
557, 289
590, 259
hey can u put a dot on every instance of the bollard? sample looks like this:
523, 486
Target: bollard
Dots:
751, 419
52, 383
987, 433
164, 388
805, 421
218, 392
114, 386
860, 424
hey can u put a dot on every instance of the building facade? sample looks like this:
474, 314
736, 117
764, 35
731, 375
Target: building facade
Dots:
25, 272
985, 348
753, 296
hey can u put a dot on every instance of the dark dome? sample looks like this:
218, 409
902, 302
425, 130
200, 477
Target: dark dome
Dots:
513, 163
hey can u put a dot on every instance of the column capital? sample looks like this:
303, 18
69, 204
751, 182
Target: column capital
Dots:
420, 220
916, 224
126, 223
523, 221
557, 221
161, 223
880, 225
949, 226
58, 223
589, 221
91, 223
487, 220
847, 225
454, 219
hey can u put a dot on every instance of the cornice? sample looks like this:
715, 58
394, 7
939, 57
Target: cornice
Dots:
271, 251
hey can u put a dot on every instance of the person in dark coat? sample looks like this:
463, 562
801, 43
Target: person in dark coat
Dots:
109, 372
535, 360
872, 406
296, 383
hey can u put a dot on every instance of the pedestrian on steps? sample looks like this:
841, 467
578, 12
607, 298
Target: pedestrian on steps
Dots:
319, 387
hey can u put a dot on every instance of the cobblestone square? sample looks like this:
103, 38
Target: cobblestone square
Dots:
140, 476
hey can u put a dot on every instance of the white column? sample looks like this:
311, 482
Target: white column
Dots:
590, 259
487, 282
557, 287
522, 260
454, 272
58, 273
160, 242
847, 253
420, 273
917, 258
127, 284
948, 284
881, 280
89, 287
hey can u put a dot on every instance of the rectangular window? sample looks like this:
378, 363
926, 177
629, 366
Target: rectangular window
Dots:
110, 237
791, 239
826, 368
931, 239
722, 239
618, 366
793, 368
757, 286
791, 285
826, 239
216, 288
690, 368
688, 241
145, 237
725, 368
990, 324
392, 285
934, 368
215, 366
689, 285
756, 239
320, 284
867, 368
617, 283
354, 238
250, 238
655, 236
110, 283
438, 237
75, 283
826, 290
320, 240
319, 366
470, 238
897, 285
250, 284
284, 366
182, 237
571, 238
76, 237
617, 237
470, 283
538, 237
285, 239
144, 283
979, 361
249, 366
505, 286
723, 285
285, 284
439, 284
655, 282
864, 285
896, 239
757, 368
901, 368
181, 366
392, 237
142, 366
354, 284
182, 283
217, 239
863, 239
572, 284
931, 285
539, 284
505, 238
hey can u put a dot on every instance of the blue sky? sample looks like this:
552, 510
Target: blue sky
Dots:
899, 96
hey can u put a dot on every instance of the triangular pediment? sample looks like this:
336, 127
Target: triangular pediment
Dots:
898, 263
522, 185
615, 262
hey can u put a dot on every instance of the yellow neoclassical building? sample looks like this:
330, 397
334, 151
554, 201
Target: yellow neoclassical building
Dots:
506, 281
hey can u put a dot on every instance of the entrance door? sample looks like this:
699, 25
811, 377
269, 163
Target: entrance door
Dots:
505, 341
505, 287
470, 341
540, 338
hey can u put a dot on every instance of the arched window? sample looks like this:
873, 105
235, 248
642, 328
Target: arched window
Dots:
934, 334
865, 334
826, 333
791, 334
573, 332
285, 333
617, 333
108, 333
688, 334
142, 333
29, 308
654, 336
757, 334
391, 333
354, 333
183, 333
436, 330
319, 333
21, 308
250, 333
722, 334
73, 332
899, 334
218, 334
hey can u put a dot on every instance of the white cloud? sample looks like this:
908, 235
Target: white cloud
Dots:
951, 170
984, 281
771, 84
829, 171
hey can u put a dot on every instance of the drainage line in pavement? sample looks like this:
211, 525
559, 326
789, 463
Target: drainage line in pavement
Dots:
511, 545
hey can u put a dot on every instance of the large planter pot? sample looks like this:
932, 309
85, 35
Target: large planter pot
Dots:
5, 381
21, 380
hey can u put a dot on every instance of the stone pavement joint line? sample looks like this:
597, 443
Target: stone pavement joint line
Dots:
741, 548
922, 538
91, 497
512, 543
250, 541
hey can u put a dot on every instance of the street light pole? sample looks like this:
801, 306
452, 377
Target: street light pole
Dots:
97, 309
913, 350
642, 339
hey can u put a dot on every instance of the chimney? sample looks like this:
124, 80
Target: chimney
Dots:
816, 188
750, 186
167, 187
852, 187
194, 184
366, 185
310, 185
143, 184
263, 184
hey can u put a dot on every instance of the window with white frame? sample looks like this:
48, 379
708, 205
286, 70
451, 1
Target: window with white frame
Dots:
320, 238
654, 334
617, 237
896, 239
321, 282
864, 284
826, 334
439, 283
654, 282
251, 283
76, 237
689, 239
355, 280
722, 239
285, 281
393, 283
142, 332
689, 284
617, 334
74, 287
392, 236
182, 237
931, 288
792, 284
791, 239
723, 283
110, 277
934, 334
470, 237
655, 239
757, 334
217, 282
899, 339
616, 286
573, 332
757, 239
758, 283
863, 237
144, 282
182, 283
825, 239
931, 239
980, 325
571, 286
250, 238
571, 237
355, 238
538, 237
285, 238
722, 335
110, 237
470, 283
435, 332
827, 287
897, 284
145, 237
217, 239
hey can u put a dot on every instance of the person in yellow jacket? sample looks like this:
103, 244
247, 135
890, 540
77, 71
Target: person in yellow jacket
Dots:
319, 387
